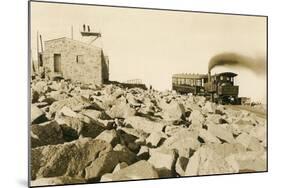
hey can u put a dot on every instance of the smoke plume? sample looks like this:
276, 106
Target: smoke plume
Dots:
257, 65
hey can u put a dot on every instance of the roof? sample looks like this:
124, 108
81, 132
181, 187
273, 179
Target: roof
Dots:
191, 76
231, 74
74, 41
51, 40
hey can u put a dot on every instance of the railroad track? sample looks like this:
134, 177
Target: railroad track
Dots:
259, 113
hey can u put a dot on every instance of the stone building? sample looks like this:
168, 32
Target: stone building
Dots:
75, 60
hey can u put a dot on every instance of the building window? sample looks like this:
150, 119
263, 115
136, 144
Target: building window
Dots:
221, 77
80, 59
57, 63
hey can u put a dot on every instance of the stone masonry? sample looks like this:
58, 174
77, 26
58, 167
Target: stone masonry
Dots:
76, 61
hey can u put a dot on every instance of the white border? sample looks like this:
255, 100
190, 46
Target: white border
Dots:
14, 91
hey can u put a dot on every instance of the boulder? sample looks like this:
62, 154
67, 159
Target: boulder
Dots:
144, 124
196, 117
155, 139
137, 133
140, 141
69, 134
125, 138
170, 130
87, 93
143, 153
259, 132
102, 165
221, 133
34, 96
220, 109
248, 161
148, 107
41, 87
134, 147
106, 177
163, 160
55, 86
48, 133
132, 100
47, 100
95, 114
120, 166
56, 96
68, 112
215, 119
172, 111
209, 107
120, 147
136, 171
110, 136
224, 150
205, 161
200, 100
184, 142
106, 163
246, 128
249, 142
117, 93
37, 115
76, 103
83, 126
121, 109
68, 159
181, 165
208, 137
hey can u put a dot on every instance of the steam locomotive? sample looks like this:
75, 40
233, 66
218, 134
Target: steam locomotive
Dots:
218, 88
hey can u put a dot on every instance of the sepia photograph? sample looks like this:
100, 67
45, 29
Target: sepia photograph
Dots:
121, 93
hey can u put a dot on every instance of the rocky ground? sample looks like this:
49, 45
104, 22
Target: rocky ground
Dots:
84, 133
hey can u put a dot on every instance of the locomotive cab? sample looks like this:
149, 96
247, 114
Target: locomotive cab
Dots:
222, 89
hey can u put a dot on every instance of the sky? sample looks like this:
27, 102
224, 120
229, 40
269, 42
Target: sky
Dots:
151, 45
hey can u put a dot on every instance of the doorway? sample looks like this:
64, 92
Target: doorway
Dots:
57, 63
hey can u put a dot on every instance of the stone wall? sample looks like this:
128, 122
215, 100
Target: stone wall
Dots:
87, 68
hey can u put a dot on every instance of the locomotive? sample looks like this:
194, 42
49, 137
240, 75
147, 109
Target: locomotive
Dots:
219, 88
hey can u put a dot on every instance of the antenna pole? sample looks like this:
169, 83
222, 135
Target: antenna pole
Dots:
41, 43
38, 56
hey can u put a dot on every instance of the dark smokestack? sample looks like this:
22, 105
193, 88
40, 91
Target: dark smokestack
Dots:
209, 76
257, 65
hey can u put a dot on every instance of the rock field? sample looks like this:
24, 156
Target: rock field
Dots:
85, 133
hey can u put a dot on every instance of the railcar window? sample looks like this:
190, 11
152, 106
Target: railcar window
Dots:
198, 83
221, 77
